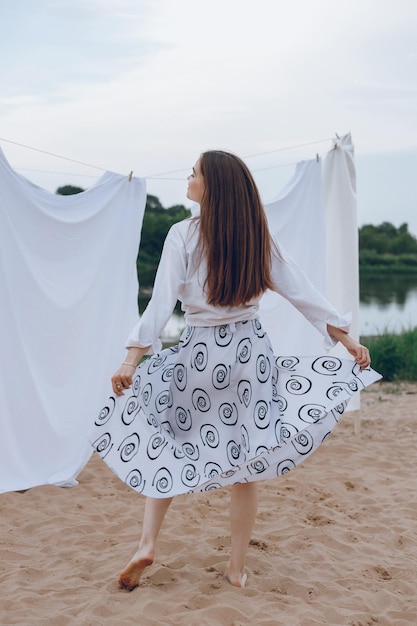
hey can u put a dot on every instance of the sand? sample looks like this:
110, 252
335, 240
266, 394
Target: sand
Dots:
335, 541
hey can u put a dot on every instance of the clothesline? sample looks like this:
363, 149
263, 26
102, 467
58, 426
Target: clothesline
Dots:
250, 156
26, 169
161, 175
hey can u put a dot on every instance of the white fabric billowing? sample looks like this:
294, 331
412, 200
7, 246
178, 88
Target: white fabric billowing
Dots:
68, 291
220, 408
295, 218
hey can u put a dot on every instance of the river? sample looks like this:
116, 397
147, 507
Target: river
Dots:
388, 303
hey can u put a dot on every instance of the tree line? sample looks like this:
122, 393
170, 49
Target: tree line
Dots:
156, 223
382, 248
385, 248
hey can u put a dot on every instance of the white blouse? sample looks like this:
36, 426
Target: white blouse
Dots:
180, 277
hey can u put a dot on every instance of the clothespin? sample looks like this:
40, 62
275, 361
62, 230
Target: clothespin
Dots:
130, 176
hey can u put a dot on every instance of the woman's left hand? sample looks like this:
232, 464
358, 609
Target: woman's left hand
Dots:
359, 352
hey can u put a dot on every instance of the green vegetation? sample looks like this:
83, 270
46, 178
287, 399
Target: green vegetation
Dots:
387, 249
394, 356
68, 190
383, 249
156, 223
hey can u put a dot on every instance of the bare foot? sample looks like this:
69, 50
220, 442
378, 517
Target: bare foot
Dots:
238, 580
129, 578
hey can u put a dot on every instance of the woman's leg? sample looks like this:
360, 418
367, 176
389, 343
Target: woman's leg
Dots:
155, 510
243, 507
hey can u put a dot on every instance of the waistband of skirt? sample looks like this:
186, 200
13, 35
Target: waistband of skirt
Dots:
232, 326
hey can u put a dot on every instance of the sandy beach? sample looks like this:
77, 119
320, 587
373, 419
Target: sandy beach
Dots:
335, 542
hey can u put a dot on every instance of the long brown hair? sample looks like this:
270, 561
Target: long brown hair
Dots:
234, 238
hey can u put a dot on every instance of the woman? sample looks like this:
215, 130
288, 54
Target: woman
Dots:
219, 408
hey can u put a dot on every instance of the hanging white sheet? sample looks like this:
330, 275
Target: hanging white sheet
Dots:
342, 245
68, 292
315, 218
341, 224
295, 217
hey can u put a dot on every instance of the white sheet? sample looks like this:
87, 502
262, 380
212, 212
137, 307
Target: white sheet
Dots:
342, 245
295, 217
315, 217
341, 224
68, 292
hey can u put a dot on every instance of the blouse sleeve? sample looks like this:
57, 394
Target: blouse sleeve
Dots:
168, 280
295, 286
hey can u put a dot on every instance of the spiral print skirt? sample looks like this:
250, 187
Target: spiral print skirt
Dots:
219, 409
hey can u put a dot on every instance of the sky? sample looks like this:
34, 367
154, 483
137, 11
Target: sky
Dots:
147, 85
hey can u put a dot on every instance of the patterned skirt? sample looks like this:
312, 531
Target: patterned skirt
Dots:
219, 408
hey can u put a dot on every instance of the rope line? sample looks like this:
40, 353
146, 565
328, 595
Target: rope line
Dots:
300, 145
161, 175
248, 156
259, 169
58, 156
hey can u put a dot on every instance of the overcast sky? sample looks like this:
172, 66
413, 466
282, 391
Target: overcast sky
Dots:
146, 85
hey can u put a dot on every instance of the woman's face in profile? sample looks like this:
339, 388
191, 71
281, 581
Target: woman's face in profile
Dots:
195, 187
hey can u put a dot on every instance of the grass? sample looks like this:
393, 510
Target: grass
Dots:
394, 356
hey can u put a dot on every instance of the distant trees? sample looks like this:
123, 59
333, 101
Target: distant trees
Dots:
383, 248
156, 223
386, 238
387, 248
68, 190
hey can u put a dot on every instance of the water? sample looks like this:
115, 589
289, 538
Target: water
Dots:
388, 303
